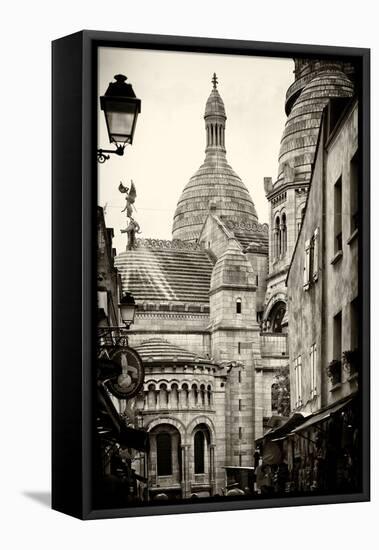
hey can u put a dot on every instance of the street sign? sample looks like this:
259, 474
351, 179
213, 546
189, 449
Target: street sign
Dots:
130, 381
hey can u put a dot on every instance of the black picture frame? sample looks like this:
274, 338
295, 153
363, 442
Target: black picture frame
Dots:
74, 178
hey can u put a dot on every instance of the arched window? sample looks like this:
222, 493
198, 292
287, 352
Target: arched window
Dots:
164, 463
202, 395
209, 392
194, 396
238, 305
185, 393
276, 316
284, 234
277, 238
199, 452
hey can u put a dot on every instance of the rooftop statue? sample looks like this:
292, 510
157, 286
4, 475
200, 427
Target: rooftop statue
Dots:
133, 226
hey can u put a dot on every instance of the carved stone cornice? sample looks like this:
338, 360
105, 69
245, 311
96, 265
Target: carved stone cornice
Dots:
175, 244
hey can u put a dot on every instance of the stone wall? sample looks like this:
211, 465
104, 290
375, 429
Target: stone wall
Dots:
305, 301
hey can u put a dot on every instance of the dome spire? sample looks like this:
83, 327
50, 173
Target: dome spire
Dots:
215, 182
215, 118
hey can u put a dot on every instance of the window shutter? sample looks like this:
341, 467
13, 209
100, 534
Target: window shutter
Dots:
315, 254
307, 264
315, 369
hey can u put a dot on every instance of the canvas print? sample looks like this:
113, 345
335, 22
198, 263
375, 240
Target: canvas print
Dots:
228, 302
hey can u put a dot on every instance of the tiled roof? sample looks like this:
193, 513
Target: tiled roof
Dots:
160, 350
168, 271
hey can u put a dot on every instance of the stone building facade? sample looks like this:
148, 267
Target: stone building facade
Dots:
200, 297
316, 83
323, 301
212, 320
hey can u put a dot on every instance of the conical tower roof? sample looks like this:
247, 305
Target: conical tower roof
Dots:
306, 100
214, 182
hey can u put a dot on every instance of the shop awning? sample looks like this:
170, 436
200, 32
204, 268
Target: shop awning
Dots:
282, 431
115, 427
321, 416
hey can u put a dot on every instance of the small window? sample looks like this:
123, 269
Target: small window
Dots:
239, 348
239, 377
240, 433
239, 305
240, 404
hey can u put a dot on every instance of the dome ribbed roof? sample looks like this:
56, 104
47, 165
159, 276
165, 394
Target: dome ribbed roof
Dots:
160, 350
215, 105
214, 182
299, 140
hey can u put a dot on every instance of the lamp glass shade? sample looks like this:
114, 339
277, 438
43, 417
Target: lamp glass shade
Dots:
127, 309
121, 117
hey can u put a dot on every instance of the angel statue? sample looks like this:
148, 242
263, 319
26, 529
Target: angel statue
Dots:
133, 226
130, 198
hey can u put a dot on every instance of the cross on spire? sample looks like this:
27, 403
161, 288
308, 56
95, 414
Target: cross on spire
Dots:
215, 81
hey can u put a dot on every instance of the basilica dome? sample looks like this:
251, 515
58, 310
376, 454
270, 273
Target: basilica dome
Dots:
215, 182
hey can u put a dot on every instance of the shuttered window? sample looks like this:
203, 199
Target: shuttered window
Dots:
313, 361
307, 259
315, 250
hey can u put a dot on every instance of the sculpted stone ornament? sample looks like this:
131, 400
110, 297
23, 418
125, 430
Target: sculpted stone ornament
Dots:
133, 226
132, 229
130, 198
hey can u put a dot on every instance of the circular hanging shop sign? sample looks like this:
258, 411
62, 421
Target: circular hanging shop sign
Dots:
130, 381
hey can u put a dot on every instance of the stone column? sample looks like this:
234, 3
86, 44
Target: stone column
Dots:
183, 472
186, 483
212, 468
174, 457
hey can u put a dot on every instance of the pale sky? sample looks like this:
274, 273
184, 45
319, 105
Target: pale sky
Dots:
169, 141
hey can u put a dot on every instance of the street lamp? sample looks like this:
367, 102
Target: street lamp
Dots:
121, 108
127, 309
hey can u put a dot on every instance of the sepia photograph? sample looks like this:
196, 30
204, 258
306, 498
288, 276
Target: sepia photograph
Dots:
228, 360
